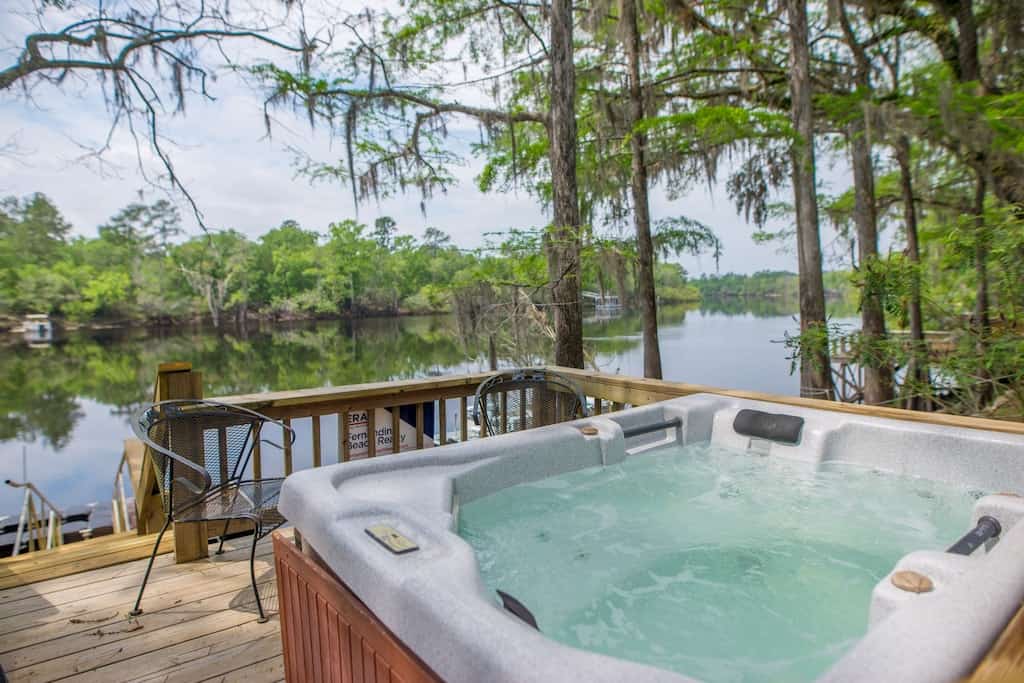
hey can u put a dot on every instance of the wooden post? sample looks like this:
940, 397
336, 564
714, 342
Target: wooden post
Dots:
177, 380
222, 447
371, 432
316, 441
504, 412
287, 446
442, 420
257, 453
544, 412
343, 446
463, 419
396, 429
522, 410
419, 425
33, 531
149, 514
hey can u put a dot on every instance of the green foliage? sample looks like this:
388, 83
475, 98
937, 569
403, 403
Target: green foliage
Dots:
137, 268
719, 125
41, 289
763, 284
104, 295
672, 286
681, 235
890, 281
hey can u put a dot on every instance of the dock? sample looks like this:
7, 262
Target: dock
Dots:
199, 622
848, 372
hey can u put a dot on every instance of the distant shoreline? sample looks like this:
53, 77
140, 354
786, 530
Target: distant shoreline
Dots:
9, 325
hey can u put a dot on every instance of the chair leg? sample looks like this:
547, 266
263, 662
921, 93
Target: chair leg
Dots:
220, 547
252, 570
137, 610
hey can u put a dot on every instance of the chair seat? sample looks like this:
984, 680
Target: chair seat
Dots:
255, 500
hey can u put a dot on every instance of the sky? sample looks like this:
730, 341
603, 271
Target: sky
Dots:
244, 180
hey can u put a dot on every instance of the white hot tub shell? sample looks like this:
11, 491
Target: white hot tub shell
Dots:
436, 603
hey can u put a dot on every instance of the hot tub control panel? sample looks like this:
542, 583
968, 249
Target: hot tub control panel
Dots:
392, 539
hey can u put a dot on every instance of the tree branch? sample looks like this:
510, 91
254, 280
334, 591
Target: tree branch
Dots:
439, 107
32, 60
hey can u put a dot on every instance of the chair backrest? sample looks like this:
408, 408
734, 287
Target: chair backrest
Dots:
524, 398
196, 445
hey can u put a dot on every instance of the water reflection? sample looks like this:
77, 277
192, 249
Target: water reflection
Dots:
760, 308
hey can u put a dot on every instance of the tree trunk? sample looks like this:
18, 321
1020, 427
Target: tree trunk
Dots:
641, 204
815, 367
982, 324
874, 359
633, 266
917, 368
620, 280
967, 47
213, 303
564, 245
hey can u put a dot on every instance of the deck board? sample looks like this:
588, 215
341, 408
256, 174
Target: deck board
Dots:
199, 623
75, 558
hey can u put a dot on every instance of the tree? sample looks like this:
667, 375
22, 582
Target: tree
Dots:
144, 227
564, 239
917, 368
958, 32
32, 233
33, 228
815, 366
38, 289
285, 267
348, 264
878, 373
436, 239
394, 132
639, 188
384, 230
144, 56
214, 265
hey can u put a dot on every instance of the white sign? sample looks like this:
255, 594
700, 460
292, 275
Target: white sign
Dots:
357, 444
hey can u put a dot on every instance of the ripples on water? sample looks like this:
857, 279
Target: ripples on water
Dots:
707, 561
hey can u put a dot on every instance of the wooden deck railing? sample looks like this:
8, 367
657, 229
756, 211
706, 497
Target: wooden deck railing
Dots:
355, 406
350, 412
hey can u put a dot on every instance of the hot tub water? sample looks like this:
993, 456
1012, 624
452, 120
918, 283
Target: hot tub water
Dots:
715, 563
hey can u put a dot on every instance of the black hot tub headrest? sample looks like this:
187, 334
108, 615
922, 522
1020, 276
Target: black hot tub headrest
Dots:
771, 426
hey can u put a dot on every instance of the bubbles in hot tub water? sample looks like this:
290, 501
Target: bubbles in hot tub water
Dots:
713, 563
727, 488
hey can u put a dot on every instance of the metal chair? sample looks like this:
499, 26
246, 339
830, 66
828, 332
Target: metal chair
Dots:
200, 451
525, 398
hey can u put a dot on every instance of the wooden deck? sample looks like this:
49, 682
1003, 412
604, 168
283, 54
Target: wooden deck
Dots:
199, 623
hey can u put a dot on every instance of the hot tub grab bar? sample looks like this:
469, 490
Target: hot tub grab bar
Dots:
674, 423
987, 528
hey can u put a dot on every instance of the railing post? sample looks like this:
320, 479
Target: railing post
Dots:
175, 381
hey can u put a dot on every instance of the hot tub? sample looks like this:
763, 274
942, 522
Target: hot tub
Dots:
702, 538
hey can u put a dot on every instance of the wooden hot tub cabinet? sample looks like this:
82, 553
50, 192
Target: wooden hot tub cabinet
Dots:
328, 634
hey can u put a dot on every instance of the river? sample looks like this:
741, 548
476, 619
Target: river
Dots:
66, 407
